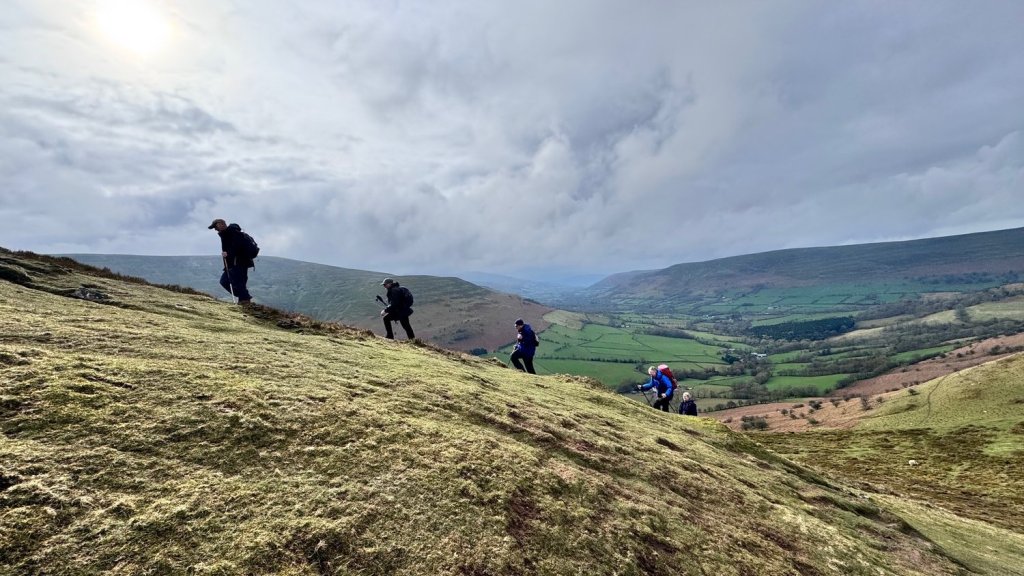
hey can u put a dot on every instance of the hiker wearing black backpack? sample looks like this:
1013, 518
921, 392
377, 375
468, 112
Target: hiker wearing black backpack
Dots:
398, 309
525, 348
664, 386
237, 249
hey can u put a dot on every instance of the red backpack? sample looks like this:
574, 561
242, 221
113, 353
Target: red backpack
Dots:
664, 369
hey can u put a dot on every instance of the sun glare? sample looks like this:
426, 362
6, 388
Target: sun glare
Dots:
136, 25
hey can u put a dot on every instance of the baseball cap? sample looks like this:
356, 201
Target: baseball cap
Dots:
387, 281
215, 222
519, 322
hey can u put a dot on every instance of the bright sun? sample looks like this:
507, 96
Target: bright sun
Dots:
137, 25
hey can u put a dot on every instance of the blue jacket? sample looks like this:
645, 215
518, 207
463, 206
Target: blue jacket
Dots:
664, 384
527, 341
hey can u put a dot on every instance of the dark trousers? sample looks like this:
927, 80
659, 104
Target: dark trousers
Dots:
403, 320
663, 403
234, 279
528, 360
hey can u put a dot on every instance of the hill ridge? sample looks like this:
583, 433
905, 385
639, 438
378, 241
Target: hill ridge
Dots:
996, 252
449, 310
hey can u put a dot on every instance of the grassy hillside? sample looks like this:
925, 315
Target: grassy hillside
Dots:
145, 431
448, 311
862, 273
956, 443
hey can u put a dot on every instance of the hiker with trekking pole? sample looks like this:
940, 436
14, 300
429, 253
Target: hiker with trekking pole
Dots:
398, 308
238, 250
663, 385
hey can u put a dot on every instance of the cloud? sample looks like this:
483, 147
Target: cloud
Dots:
543, 139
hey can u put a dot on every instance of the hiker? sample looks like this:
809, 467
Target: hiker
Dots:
663, 384
398, 309
237, 259
525, 348
687, 406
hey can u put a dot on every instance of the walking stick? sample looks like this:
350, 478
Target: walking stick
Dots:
231, 285
646, 397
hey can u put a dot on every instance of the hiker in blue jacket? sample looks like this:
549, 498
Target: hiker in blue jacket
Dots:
526, 347
664, 386
236, 262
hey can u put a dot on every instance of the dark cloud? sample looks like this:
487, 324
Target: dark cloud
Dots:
572, 137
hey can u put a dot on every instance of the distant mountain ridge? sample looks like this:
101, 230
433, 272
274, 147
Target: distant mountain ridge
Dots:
448, 311
983, 253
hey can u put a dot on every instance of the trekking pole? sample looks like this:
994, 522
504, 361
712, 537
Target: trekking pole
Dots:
646, 397
231, 286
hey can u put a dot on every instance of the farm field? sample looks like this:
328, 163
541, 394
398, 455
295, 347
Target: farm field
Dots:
822, 383
612, 374
615, 348
1011, 309
923, 353
858, 334
615, 355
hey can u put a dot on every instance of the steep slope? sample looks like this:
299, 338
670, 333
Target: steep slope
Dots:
984, 255
954, 444
146, 431
448, 311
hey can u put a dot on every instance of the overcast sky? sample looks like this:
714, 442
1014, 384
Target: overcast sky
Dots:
522, 137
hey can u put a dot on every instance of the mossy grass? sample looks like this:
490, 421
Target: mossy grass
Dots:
168, 433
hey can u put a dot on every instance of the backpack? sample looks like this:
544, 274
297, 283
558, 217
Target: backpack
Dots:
664, 369
536, 341
408, 297
248, 246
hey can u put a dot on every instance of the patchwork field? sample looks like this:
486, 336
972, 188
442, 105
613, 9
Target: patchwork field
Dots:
615, 355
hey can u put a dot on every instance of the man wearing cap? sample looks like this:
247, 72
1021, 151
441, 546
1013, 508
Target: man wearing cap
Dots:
399, 308
236, 263
526, 347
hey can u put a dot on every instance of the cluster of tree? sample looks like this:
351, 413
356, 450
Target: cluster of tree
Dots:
971, 278
667, 332
754, 423
806, 329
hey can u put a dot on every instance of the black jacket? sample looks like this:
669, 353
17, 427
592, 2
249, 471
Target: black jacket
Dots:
231, 242
688, 407
399, 301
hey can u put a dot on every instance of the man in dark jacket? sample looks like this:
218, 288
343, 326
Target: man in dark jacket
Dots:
399, 308
526, 347
664, 386
236, 262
